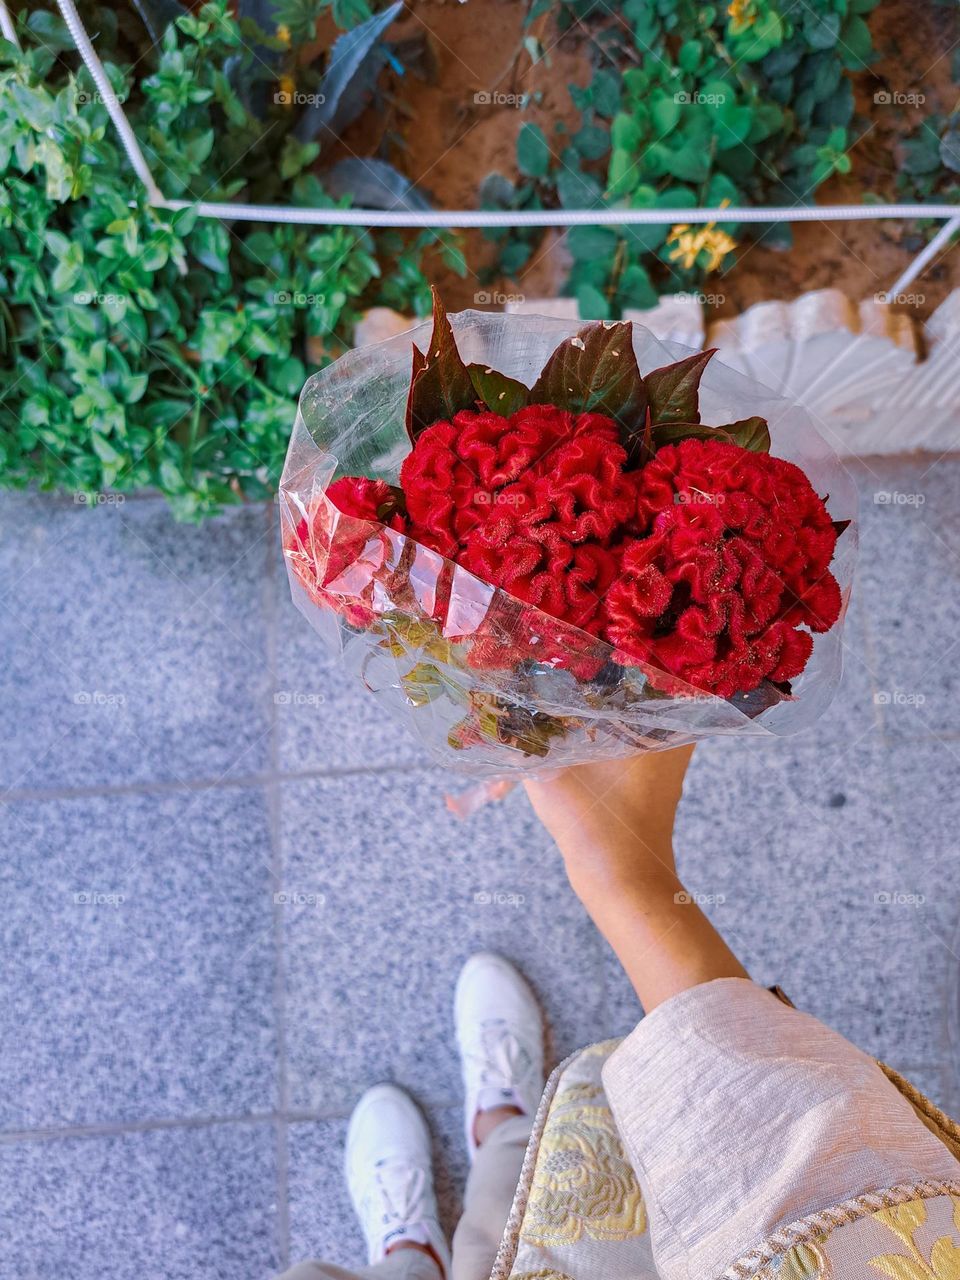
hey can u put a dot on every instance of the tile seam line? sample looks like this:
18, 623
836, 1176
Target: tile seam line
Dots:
294, 1115
14, 795
111, 1129
19, 795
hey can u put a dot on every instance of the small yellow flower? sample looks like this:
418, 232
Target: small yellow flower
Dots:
688, 244
742, 14
709, 239
283, 34
288, 87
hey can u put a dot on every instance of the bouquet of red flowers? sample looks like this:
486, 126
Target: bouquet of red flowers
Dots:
547, 554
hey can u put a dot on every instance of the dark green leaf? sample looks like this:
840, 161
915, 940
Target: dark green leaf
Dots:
595, 372
498, 392
592, 302
635, 288
674, 390
749, 433
822, 30
374, 184
347, 80
752, 434
533, 151
440, 385
950, 149
589, 243
856, 45
592, 142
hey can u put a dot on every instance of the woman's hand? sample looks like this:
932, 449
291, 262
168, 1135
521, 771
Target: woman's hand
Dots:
613, 824
613, 821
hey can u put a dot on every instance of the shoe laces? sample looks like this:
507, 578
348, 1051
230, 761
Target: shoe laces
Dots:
396, 1194
500, 1058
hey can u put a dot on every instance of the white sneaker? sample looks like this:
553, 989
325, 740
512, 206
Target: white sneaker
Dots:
500, 1036
390, 1175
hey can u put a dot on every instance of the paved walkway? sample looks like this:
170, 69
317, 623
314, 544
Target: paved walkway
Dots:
232, 898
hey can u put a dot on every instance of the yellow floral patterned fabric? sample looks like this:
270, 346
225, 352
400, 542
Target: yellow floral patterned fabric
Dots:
802, 1262
584, 1216
583, 1183
905, 1220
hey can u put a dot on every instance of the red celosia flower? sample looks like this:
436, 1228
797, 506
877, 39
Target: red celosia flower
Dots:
736, 556
702, 564
337, 560
511, 634
368, 500
488, 476
527, 503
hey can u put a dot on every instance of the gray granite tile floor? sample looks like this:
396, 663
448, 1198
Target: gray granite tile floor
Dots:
233, 898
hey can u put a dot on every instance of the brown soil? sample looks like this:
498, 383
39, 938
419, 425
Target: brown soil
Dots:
439, 134
915, 40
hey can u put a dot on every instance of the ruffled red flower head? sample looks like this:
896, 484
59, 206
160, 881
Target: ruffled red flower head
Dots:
735, 557
338, 561
528, 503
701, 564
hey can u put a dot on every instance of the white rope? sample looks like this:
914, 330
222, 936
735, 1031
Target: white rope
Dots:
109, 98
464, 218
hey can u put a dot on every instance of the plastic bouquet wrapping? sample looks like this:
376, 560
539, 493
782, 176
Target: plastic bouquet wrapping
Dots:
543, 544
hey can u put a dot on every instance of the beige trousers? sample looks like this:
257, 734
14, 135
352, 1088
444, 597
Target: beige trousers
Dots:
486, 1204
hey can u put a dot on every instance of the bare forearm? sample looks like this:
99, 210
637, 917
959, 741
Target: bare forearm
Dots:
613, 824
661, 937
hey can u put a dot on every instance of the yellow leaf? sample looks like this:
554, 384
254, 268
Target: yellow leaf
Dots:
903, 1219
803, 1262
945, 1259
898, 1267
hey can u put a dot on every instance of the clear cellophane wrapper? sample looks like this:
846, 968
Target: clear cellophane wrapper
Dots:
492, 686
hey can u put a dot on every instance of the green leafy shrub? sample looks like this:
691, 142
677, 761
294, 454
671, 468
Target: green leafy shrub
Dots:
929, 160
143, 348
746, 103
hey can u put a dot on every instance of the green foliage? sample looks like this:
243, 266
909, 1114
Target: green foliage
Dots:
930, 160
741, 103
144, 348
300, 17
